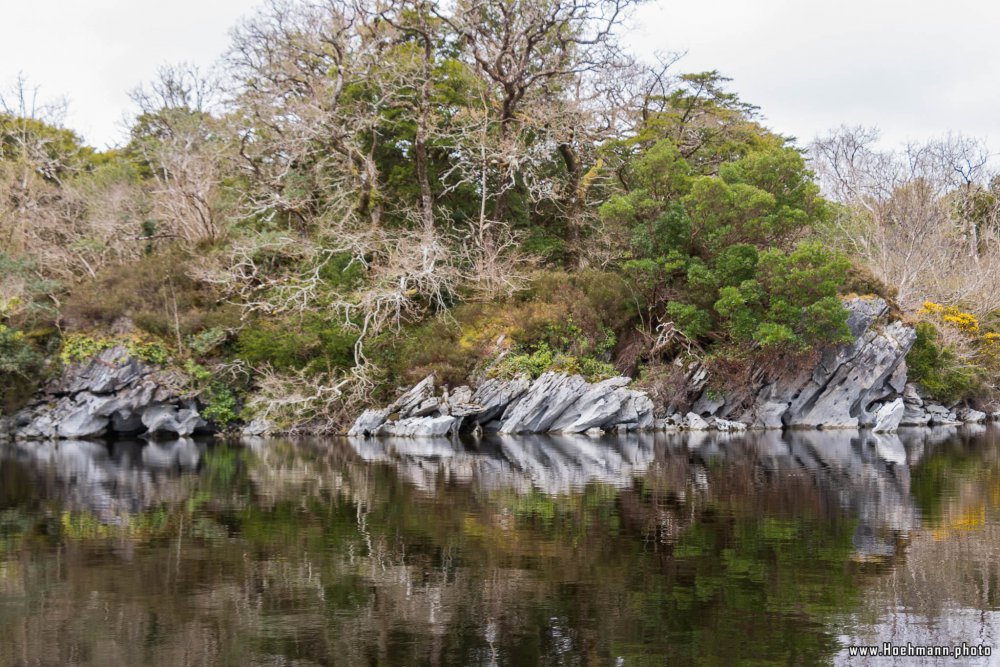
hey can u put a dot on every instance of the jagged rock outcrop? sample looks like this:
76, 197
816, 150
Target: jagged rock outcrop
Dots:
555, 402
857, 385
112, 393
846, 386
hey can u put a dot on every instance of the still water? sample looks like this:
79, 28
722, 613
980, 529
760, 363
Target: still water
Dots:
758, 549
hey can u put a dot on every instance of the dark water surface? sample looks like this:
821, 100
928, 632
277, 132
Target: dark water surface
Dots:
765, 548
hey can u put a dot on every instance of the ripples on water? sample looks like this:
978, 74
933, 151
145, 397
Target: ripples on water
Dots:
761, 548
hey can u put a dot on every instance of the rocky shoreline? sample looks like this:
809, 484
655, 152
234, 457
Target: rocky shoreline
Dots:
861, 385
111, 394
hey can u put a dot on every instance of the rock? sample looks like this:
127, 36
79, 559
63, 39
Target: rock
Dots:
914, 416
429, 406
164, 419
406, 404
708, 404
671, 423
460, 396
595, 408
693, 422
81, 422
420, 427
112, 392
547, 398
644, 408
726, 425
368, 422
911, 397
970, 416
831, 389
495, 395
257, 427
889, 416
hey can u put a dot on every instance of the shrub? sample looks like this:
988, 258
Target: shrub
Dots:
156, 293
938, 370
312, 342
81, 347
543, 359
18, 357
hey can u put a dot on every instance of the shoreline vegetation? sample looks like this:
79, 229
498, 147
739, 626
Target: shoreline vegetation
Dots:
363, 195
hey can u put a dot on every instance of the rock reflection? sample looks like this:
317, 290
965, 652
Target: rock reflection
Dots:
503, 550
866, 473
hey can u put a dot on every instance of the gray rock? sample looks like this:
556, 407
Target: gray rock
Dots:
428, 406
595, 408
163, 419
889, 416
726, 425
914, 416
547, 398
494, 396
831, 390
708, 404
911, 396
970, 416
410, 401
693, 422
644, 409
420, 427
257, 427
81, 422
368, 422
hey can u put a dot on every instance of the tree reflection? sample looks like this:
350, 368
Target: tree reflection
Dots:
563, 550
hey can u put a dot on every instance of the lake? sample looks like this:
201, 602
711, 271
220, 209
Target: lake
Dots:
707, 549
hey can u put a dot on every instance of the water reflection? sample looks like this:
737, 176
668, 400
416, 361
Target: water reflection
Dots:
634, 549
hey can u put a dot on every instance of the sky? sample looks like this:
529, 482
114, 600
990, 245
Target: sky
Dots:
916, 70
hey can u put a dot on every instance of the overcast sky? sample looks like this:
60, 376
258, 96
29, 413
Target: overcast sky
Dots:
915, 69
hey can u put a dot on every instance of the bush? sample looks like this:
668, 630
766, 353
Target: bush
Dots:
543, 359
286, 344
156, 293
937, 369
82, 347
18, 357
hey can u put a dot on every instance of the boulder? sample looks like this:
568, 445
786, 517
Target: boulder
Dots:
160, 419
889, 416
494, 396
970, 416
831, 389
595, 408
112, 392
693, 422
547, 398
420, 427
725, 425
368, 422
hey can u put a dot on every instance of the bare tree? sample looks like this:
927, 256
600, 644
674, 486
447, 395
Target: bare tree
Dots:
923, 218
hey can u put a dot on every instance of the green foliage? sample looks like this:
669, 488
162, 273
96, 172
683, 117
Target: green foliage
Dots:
221, 406
714, 253
313, 342
542, 359
936, 368
82, 347
18, 357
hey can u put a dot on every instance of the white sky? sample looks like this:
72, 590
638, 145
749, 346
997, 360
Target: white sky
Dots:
914, 69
